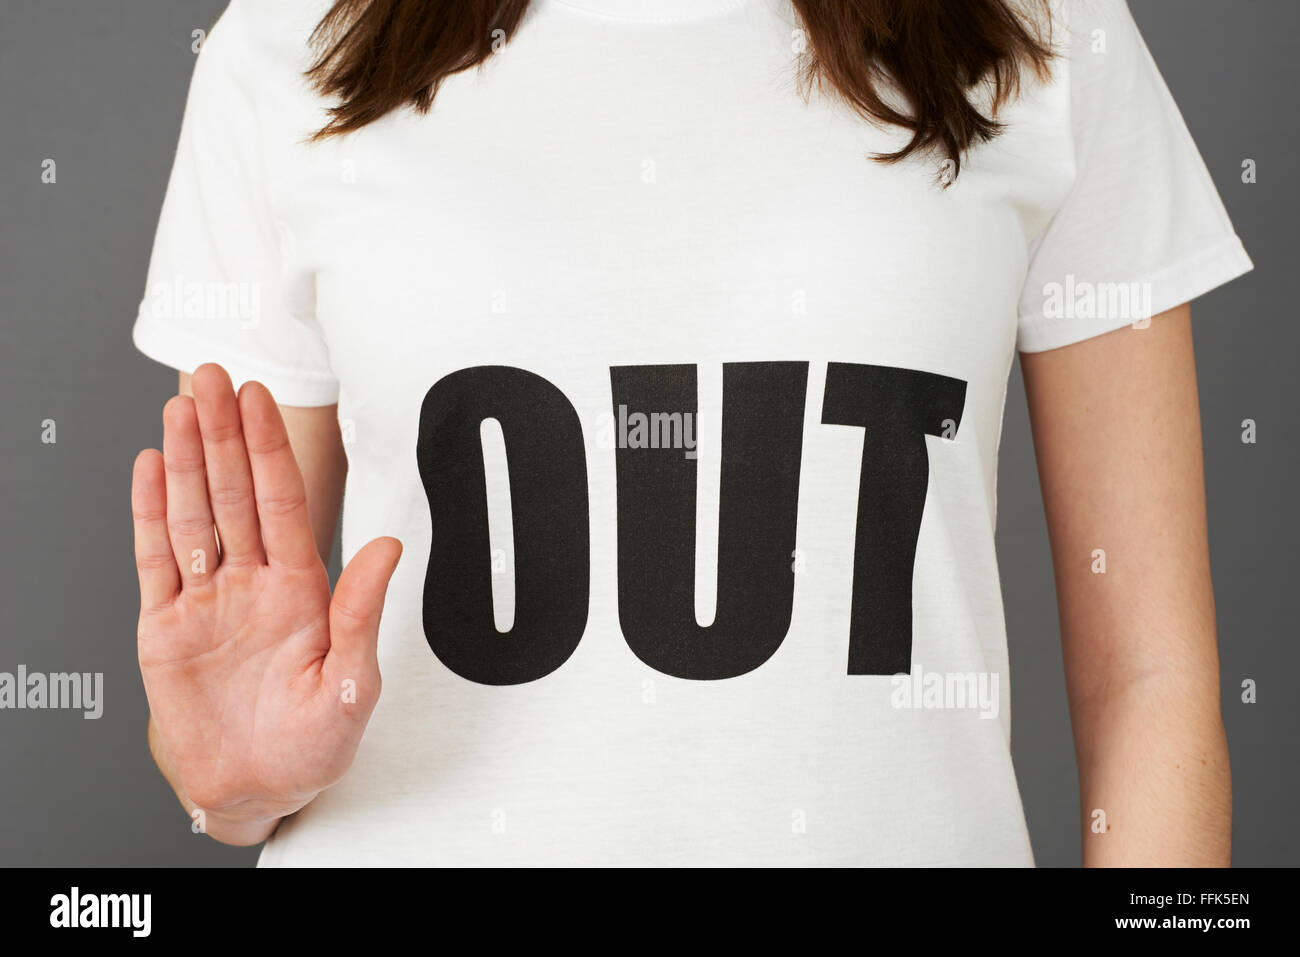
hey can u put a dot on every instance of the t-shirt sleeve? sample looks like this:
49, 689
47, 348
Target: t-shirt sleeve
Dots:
1142, 229
222, 286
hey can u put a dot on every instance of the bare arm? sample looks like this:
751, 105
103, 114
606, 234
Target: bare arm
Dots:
1117, 435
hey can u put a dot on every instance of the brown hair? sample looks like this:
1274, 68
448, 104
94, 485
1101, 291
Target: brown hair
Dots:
378, 55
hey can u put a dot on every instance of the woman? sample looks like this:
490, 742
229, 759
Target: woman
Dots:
671, 342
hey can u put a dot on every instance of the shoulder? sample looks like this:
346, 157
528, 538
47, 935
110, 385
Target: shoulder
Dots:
1081, 20
254, 61
257, 37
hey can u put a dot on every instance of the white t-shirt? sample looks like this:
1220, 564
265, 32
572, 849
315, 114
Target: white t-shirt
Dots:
686, 411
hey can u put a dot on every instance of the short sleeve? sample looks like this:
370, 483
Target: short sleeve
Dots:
1142, 229
221, 285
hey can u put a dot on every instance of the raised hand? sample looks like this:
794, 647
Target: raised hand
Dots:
259, 682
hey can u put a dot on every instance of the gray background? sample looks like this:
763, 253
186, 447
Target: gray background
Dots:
100, 87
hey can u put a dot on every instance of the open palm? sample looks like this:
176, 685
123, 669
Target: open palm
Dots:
260, 683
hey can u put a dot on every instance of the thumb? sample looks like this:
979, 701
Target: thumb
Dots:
359, 599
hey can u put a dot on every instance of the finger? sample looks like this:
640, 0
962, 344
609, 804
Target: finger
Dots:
230, 482
358, 602
277, 481
154, 562
189, 518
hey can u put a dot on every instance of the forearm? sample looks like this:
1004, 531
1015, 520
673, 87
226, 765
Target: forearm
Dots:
227, 829
1117, 435
1154, 780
